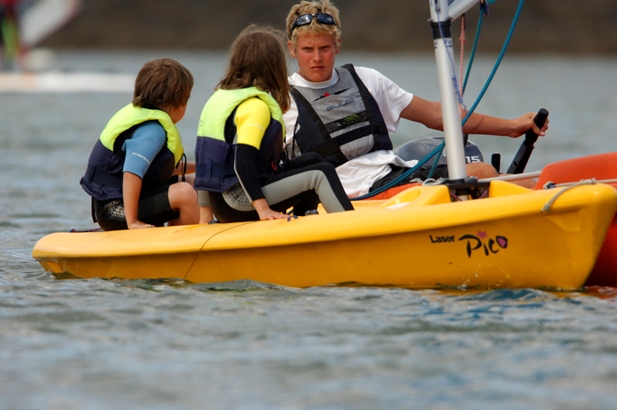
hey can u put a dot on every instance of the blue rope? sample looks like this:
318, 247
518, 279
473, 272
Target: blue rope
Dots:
405, 175
499, 59
472, 55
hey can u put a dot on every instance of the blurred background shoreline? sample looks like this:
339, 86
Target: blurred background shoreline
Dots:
44, 28
544, 26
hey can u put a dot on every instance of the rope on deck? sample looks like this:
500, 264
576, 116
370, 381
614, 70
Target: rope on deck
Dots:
550, 184
568, 186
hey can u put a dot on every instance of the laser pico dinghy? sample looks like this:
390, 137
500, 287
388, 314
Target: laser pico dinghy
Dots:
462, 234
515, 238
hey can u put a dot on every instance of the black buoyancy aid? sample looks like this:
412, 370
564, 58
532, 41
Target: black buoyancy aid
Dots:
216, 139
340, 122
104, 173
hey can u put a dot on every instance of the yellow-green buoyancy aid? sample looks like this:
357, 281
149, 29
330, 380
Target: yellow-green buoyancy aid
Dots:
214, 155
223, 102
104, 173
130, 116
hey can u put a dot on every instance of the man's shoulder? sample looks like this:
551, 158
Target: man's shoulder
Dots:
364, 70
367, 74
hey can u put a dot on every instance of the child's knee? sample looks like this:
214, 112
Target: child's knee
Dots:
183, 191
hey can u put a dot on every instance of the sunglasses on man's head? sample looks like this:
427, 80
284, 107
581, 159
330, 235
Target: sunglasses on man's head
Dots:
305, 19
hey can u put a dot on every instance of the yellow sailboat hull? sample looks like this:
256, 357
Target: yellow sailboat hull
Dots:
515, 238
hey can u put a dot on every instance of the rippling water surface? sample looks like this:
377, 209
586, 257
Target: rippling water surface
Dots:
98, 344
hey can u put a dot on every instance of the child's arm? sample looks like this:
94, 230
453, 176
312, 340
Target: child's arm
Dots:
252, 119
205, 214
205, 210
131, 188
190, 168
141, 149
265, 212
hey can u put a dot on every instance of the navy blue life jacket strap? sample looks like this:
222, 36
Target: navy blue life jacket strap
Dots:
209, 170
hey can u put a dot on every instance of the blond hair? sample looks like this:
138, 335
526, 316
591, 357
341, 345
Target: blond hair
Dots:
162, 83
257, 59
313, 7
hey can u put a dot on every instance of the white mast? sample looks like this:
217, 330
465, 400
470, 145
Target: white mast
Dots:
457, 8
442, 43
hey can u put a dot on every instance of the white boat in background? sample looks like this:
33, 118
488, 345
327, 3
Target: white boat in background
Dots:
43, 17
65, 82
34, 72
31, 68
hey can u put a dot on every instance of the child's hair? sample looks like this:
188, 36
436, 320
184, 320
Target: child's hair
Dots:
314, 27
257, 58
162, 83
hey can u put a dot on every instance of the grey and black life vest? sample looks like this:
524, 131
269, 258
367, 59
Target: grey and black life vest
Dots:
340, 122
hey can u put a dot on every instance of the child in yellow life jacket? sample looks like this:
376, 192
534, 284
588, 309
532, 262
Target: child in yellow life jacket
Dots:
239, 145
130, 169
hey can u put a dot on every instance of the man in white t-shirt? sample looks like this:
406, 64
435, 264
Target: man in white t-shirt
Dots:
345, 113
